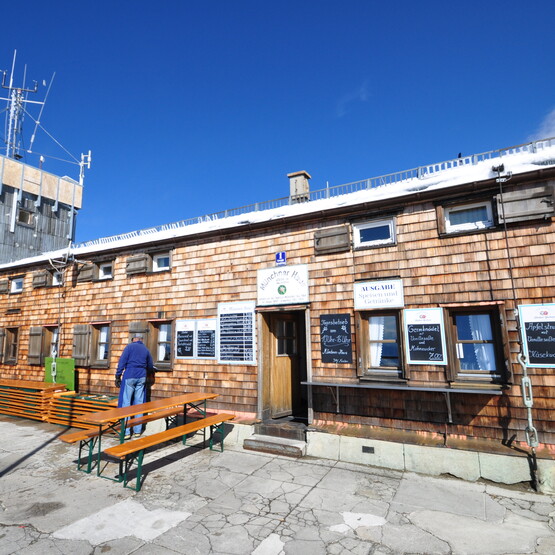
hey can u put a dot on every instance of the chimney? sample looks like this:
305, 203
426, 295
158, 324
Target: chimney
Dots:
299, 188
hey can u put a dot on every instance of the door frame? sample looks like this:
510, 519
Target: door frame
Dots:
264, 359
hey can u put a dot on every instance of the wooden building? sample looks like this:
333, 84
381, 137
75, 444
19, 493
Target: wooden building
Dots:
385, 311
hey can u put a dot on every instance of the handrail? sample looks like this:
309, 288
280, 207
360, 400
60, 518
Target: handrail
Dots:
421, 172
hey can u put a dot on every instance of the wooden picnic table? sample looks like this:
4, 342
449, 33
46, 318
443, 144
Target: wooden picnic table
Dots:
108, 419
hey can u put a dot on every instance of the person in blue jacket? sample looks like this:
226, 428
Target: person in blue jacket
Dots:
134, 364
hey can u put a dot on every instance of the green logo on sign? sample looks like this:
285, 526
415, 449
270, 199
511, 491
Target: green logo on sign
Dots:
282, 289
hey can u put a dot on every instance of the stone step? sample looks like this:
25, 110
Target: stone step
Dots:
282, 429
275, 445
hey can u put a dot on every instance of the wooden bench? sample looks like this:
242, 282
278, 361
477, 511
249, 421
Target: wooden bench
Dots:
89, 436
131, 450
86, 438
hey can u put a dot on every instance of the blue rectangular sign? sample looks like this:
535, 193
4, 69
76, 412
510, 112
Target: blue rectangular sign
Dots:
281, 258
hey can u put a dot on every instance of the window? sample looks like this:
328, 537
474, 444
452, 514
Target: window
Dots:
478, 347
374, 234
100, 344
16, 285
105, 270
91, 344
161, 262
25, 217
163, 343
286, 337
144, 263
43, 343
468, 217
380, 353
92, 271
160, 343
57, 279
11, 343
51, 336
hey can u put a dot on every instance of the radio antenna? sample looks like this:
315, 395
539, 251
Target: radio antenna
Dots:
37, 122
17, 98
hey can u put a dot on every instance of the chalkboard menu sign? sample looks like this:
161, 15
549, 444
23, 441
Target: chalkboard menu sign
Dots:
335, 338
195, 338
206, 339
538, 323
236, 333
185, 343
184, 338
425, 336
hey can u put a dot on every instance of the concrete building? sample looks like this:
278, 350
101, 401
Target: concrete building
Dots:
37, 210
399, 318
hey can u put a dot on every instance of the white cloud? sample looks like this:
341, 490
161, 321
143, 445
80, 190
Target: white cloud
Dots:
360, 94
546, 128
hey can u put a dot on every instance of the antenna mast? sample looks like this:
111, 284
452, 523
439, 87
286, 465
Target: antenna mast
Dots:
15, 113
17, 98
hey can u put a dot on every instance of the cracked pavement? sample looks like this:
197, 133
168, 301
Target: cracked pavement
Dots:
197, 501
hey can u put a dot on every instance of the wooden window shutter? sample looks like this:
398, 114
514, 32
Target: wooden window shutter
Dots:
137, 264
2, 343
4, 285
528, 204
81, 344
505, 346
334, 239
86, 273
440, 213
34, 355
451, 340
40, 278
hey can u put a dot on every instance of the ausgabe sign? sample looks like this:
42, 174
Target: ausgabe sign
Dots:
379, 294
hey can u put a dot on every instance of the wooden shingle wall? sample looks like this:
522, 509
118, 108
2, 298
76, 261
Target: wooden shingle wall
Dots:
436, 271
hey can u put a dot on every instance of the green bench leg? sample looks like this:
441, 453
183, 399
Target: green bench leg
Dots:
127, 464
90, 443
220, 429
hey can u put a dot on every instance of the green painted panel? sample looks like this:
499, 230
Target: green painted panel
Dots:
64, 372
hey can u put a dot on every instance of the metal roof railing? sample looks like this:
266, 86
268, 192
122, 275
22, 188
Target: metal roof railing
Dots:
421, 172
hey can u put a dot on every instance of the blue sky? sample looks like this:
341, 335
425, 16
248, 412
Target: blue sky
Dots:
190, 108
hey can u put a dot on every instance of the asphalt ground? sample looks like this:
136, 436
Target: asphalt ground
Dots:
197, 501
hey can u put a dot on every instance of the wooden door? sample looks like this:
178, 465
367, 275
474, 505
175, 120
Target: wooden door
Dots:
284, 364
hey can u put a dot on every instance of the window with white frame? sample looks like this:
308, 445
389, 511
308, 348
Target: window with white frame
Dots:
16, 285
57, 279
478, 346
380, 353
468, 217
374, 234
106, 270
161, 262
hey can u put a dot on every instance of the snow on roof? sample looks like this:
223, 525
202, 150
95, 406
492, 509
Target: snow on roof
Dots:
517, 160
